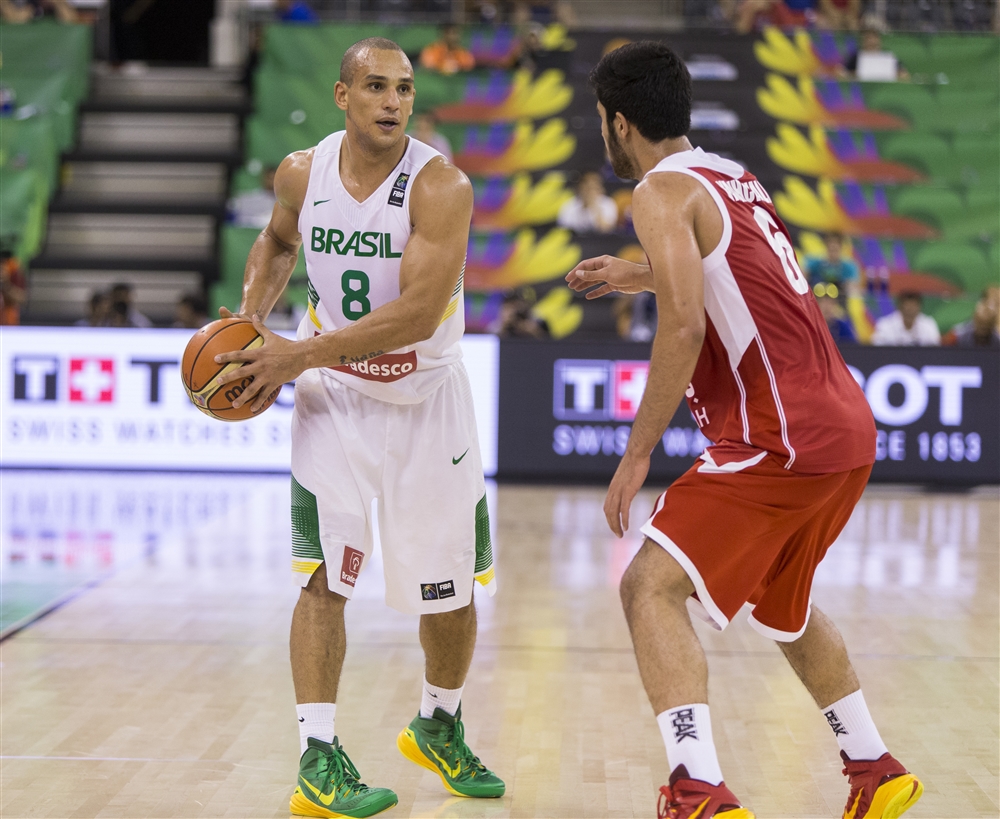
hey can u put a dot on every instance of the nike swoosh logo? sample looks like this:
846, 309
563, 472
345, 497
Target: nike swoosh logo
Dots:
447, 768
459, 458
325, 798
320, 202
302, 719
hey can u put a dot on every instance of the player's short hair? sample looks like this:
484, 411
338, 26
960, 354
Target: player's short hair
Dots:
349, 64
651, 87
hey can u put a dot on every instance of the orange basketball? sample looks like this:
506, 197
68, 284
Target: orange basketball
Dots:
199, 370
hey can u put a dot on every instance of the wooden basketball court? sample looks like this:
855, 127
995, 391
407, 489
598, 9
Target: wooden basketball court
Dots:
163, 689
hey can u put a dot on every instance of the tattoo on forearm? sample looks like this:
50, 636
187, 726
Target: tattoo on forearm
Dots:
357, 359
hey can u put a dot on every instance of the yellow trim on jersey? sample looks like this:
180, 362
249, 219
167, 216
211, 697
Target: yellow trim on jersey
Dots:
314, 318
449, 311
486, 576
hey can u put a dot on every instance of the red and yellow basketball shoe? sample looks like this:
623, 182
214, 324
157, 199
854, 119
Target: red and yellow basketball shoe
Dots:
686, 798
880, 788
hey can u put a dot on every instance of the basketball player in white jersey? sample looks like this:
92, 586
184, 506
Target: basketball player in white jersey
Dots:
383, 409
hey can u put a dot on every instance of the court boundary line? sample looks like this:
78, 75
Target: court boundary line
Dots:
60, 601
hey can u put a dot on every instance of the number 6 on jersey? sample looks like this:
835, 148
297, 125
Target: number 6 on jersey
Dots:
782, 249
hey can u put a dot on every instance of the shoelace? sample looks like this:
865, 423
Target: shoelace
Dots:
666, 807
337, 767
468, 762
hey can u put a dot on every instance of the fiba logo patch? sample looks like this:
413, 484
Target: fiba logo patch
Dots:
351, 566
398, 191
437, 591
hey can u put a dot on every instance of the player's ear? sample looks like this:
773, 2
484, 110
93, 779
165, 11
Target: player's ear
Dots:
621, 125
340, 95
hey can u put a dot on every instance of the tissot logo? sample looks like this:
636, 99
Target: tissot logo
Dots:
36, 378
91, 380
594, 390
581, 390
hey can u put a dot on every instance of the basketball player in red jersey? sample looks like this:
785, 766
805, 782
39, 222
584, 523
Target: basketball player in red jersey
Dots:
792, 440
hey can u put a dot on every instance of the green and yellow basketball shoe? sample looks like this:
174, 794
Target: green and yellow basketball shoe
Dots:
329, 785
438, 744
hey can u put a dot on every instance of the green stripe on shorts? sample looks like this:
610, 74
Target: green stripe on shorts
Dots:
305, 524
484, 549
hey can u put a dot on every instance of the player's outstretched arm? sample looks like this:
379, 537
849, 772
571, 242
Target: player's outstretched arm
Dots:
678, 281
614, 275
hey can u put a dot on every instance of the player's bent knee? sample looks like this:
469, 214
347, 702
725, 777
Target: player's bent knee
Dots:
653, 572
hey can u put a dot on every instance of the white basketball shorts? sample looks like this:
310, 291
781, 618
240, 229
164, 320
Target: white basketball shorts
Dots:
421, 461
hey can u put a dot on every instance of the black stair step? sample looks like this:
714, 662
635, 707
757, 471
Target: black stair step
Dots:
166, 106
231, 158
66, 204
206, 265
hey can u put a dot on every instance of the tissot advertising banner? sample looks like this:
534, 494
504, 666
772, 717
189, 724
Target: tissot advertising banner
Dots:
82, 397
566, 411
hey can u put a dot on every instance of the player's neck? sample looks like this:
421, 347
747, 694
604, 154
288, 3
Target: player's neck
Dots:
649, 154
362, 170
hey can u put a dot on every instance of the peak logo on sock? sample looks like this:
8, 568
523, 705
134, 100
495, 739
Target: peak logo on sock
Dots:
683, 722
835, 723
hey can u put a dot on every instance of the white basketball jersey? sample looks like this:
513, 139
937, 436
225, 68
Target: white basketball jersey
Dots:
353, 252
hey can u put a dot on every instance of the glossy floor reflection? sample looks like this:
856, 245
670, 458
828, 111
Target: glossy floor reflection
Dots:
162, 689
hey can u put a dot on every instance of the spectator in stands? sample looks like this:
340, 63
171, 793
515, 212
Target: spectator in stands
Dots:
97, 310
122, 311
253, 208
753, 14
516, 319
837, 319
635, 316
591, 210
840, 14
834, 268
13, 288
295, 11
23, 11
529, 48
908, 326
425, 129
981, 329
191, 312
545, 12
446, 55
870, 43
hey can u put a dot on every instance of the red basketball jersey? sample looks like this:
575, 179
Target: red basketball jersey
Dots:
769, 375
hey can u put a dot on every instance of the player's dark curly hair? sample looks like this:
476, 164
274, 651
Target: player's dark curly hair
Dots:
650, 85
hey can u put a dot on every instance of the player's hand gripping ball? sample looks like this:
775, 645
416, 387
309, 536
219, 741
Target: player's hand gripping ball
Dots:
199, 370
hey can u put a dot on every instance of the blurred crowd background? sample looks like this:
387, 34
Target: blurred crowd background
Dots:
139, 138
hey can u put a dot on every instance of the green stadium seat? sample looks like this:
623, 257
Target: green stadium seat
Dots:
961, 263
24, 198
929, 153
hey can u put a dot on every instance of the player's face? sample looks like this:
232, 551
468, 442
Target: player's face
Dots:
621, 163
379, 101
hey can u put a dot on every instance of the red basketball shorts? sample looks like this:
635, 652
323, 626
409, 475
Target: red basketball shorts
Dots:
750, 531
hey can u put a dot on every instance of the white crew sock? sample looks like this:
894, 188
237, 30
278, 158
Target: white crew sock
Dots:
316, 720
853, 726
687, 733
447, 699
